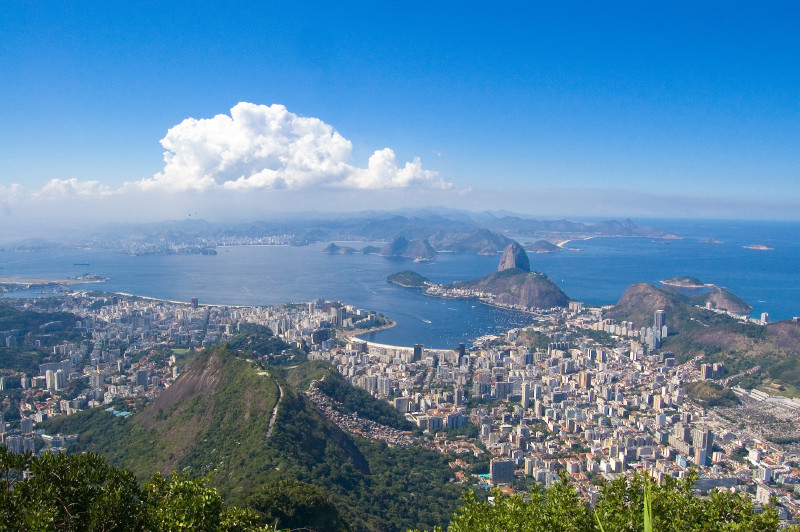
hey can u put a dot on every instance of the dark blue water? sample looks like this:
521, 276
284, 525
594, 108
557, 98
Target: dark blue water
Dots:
264, 275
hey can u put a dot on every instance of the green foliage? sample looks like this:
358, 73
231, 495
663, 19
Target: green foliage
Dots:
222, 426
710, 394
82, 492
25, 357
258, 341
21, 359
537, 340
351, 398
408, 279
558, 508
69, 492
601, 337
74, 388
625, 505
29, 320
675, 508
181, 503
294, 505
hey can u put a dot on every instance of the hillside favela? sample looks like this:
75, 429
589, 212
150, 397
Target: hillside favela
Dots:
367, 268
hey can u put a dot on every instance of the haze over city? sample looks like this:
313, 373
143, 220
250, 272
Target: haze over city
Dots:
127, 113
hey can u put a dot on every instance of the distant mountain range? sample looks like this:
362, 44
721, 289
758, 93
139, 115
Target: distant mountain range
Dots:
445, 230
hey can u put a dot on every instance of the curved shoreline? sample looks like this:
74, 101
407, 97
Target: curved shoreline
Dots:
355, 333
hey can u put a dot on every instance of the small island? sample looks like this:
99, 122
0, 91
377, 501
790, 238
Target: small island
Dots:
542, 246
419, 250
684, 282
760, 247
409, 279
370, 250
333, 249
711, 241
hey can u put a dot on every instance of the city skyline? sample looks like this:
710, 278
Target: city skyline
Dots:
123, 113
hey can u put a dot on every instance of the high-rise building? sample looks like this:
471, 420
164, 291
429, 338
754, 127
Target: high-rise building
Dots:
703, 439
526, 395
501, 471
418, 352
142, 376
700, 457
458, 397
660, 320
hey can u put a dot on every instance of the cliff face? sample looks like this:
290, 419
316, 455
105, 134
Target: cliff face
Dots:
514, 256
402, 247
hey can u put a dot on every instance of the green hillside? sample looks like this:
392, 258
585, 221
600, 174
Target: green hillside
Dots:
25, 328
718, 337
218, 417
352, 399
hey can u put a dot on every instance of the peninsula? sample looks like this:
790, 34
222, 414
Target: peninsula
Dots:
25, 283
513, 286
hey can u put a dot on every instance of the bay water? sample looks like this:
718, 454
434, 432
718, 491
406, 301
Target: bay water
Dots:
597, 274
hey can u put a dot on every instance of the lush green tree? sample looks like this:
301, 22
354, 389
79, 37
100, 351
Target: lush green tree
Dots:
60, 492
675, 507
179, 503
556, 509
626, 505
75, 492
292, 504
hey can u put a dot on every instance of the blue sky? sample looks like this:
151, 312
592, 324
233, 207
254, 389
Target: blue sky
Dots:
650, 109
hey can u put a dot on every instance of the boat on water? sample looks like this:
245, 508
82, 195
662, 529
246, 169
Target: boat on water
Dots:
80, 264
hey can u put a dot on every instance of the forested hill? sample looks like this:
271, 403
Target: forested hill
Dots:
252, 425
20, 330
717, 337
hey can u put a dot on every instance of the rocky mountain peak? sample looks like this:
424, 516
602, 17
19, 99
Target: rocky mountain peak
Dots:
514, 257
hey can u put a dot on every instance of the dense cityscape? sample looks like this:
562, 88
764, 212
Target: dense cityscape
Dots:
573, 392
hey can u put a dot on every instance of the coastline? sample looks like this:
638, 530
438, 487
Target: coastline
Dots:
563, 243
354, 335
43, 281
482, 302
149, 298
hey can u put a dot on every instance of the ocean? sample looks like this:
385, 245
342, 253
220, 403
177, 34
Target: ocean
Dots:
597, 274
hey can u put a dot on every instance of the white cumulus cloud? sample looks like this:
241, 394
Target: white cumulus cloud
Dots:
268, 147
59, 188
